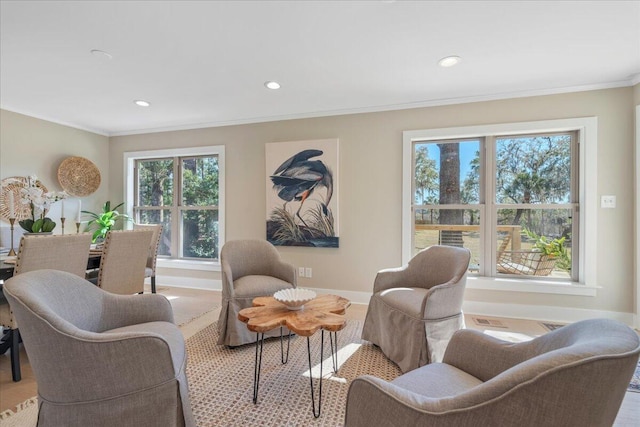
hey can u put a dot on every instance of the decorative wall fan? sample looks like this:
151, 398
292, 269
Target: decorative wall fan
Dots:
13, 185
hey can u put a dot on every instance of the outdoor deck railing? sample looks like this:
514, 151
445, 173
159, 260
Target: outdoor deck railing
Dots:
513, 230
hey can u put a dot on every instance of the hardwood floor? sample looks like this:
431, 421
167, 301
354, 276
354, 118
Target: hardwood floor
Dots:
190, 303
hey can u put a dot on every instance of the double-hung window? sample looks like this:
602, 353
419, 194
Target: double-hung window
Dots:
182, 190
512, 194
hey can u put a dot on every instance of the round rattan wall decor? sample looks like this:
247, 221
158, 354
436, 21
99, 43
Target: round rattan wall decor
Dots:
78, 176
13, 185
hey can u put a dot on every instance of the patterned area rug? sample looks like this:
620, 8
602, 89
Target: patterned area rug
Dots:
26, 414
221, 379
635, 380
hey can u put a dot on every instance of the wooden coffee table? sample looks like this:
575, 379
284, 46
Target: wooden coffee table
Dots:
325, 312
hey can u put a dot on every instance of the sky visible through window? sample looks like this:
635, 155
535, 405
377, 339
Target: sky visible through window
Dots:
468, 152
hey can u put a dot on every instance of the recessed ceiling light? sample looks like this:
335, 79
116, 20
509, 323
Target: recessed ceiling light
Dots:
141, 103
272, 85
449, 61
101, 54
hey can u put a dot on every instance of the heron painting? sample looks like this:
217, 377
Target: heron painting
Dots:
302, 193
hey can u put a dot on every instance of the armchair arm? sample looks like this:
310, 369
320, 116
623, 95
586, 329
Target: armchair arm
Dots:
124, 310
227, 280
372, 401
445, 300
286, 272
389, 278
484, 356
142, 359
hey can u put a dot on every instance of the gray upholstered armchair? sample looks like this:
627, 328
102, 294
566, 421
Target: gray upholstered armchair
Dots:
576, 376
100, 359
250, 268
61, 252
416, 308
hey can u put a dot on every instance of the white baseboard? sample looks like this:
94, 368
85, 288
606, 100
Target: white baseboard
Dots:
354, 297
188, 282
517, 311
542, 312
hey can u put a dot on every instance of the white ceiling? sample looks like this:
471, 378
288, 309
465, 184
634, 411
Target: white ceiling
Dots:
204, 63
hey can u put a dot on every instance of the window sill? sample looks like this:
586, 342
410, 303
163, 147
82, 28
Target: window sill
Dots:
189, 264
534, 286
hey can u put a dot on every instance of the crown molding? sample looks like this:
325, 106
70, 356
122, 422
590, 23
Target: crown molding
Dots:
382, 108
633, 80
101, 132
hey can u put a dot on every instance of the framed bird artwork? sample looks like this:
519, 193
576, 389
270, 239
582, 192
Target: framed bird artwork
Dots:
302, 193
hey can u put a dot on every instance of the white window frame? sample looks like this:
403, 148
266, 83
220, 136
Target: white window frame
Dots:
129, 194
587, 128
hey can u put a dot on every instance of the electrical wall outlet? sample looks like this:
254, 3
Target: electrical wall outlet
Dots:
300, 271
608, 202
307, 272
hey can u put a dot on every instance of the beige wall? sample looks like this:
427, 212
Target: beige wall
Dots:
370, 183
32, 146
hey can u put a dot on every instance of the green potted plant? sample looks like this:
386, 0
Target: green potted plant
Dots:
553, 248
102, 222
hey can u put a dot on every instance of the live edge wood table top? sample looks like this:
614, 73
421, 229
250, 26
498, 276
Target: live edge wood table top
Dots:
324, 311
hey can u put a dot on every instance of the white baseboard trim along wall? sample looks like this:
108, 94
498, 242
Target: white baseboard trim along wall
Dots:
188, 282
517, 311
541, 312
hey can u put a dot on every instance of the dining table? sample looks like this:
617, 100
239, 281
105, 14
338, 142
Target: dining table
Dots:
7, 265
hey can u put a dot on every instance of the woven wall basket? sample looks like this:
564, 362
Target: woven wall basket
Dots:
15, 184
78, 176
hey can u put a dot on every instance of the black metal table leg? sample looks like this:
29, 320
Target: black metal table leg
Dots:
258, 365
282, 358
313, 401
333, 339
333, 336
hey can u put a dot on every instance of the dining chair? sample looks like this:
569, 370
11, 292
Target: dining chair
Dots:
150, 270
123, 261
59, 252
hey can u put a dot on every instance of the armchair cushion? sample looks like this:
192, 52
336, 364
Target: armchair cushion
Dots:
258, 285
406, 300
437, 380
